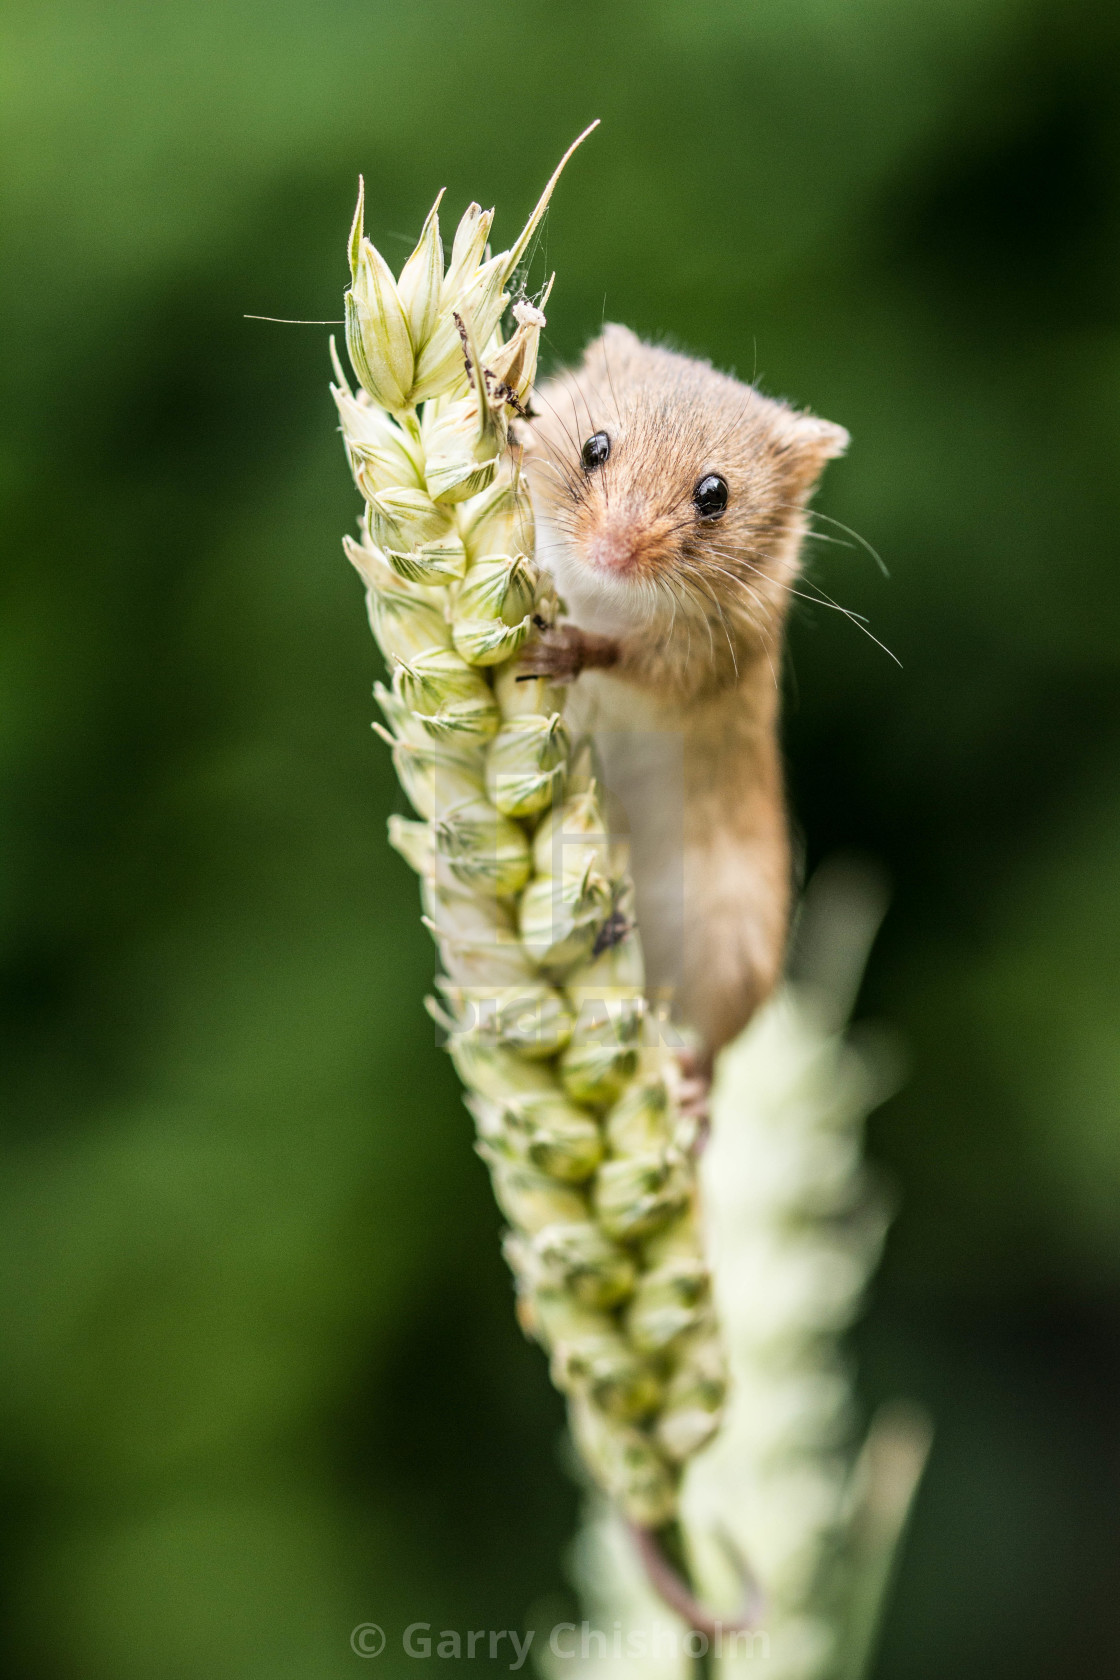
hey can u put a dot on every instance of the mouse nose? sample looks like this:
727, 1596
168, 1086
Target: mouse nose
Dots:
613, 549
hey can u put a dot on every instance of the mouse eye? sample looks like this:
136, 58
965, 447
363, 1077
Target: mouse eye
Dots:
710, 496
595, 451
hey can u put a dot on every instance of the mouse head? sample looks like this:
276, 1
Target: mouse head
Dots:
668, 491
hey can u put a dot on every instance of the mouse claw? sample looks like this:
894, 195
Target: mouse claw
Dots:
694, 1102
694, 1095
694, 1098
693, 1062
556, 653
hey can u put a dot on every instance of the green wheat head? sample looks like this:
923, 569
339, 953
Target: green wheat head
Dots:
572, 1092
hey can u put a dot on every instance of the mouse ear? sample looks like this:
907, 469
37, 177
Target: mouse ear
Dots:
820, 438
807, 443
616, 340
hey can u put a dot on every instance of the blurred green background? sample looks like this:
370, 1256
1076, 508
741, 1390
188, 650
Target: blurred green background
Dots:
260, 1378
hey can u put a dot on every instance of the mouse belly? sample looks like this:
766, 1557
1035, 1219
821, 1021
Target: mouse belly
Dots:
701, 810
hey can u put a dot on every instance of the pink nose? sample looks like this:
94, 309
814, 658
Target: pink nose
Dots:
612, 551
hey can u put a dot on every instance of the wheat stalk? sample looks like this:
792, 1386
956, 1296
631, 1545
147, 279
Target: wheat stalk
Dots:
799, 1225
573, 1094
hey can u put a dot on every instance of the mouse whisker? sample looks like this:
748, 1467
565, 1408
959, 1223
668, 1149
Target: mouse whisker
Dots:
822, 599
577, 387
719, 609
668, 637
564, 477
539, 396
765, 633
726, 632
740, 583
690, 607
704, 614
610, 381
815, 513
737, 559
574, 390
823, 536
688, 630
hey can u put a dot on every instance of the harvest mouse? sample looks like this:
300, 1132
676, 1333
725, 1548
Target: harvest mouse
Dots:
670, 503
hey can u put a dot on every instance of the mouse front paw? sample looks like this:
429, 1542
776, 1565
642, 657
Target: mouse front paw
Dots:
562, 651
556, 653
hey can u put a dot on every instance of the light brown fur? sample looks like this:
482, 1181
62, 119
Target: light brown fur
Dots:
674, 635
